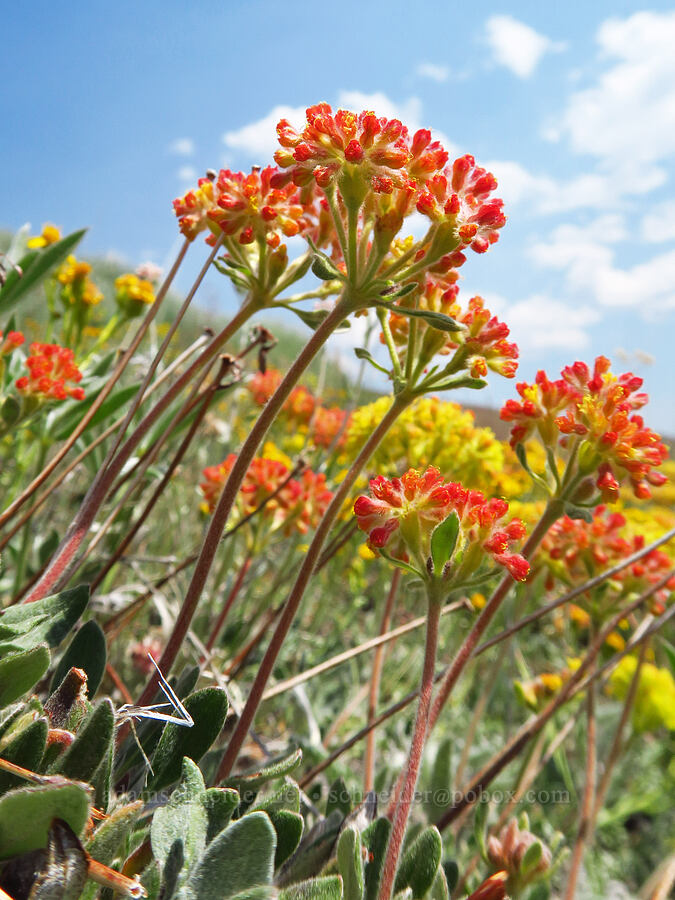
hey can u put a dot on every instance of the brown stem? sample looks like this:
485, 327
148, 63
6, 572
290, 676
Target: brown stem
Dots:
297, 591
402, 813
105, 392
230, 490
469, 644
375, 678
227, 606
578, 682
133, 530
58, 569
587, 805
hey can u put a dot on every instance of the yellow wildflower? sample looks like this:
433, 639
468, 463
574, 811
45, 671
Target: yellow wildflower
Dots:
655, 696
50, 235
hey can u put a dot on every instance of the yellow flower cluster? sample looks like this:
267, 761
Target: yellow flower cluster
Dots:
133, 293
655, 697
50, 235
77, 289
434, 432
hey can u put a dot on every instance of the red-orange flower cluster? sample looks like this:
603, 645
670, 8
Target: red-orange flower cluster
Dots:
382, 149
246, 207
297, 504
483, 341
403, 512
575, 550
597, 407
461, 196
53, 373
10, 342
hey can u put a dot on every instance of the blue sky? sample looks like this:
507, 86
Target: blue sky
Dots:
109, 111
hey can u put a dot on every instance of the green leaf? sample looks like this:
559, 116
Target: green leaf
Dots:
289, 827
109, 835
350, 863
472, 384
324, 268
578, 512
240, 858
443, 541
220, 805
362, 353
314, 317
35, 266
395, 291
27, 750
48, 620
27, 813
208, 709
531, 859
439, 889
275, 768
10, 411
441, 777
327, 888
420, 863
64, 872
339, 798
86, 651
437, 320
102, 780
451, 870
19, 672
287, 797
178, 830
314, 851
375, 839
479, 827
92, 743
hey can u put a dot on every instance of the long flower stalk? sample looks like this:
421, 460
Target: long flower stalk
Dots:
228, 496
402, 813
310, 560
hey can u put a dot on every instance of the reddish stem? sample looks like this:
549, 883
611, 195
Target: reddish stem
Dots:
227, 606
298, 590
231, 489
59, 566
415, 756
375, 678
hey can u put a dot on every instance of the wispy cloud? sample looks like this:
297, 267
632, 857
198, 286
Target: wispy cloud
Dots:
187, 173
184, 146
433, 72
516, 45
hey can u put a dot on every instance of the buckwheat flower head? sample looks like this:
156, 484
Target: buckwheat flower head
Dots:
402, 513
50, 235
329, 424
248, 207
482, 343
598, 408
10, 342
263, 384
132, 293
76, 286
461, 196
53, 374
379, 151
192, 208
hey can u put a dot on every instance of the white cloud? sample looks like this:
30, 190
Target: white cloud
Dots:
182, 147
187, 173
541, 323
259, 139
433, 72
627, 118
516, 45
659, 224
587, 259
